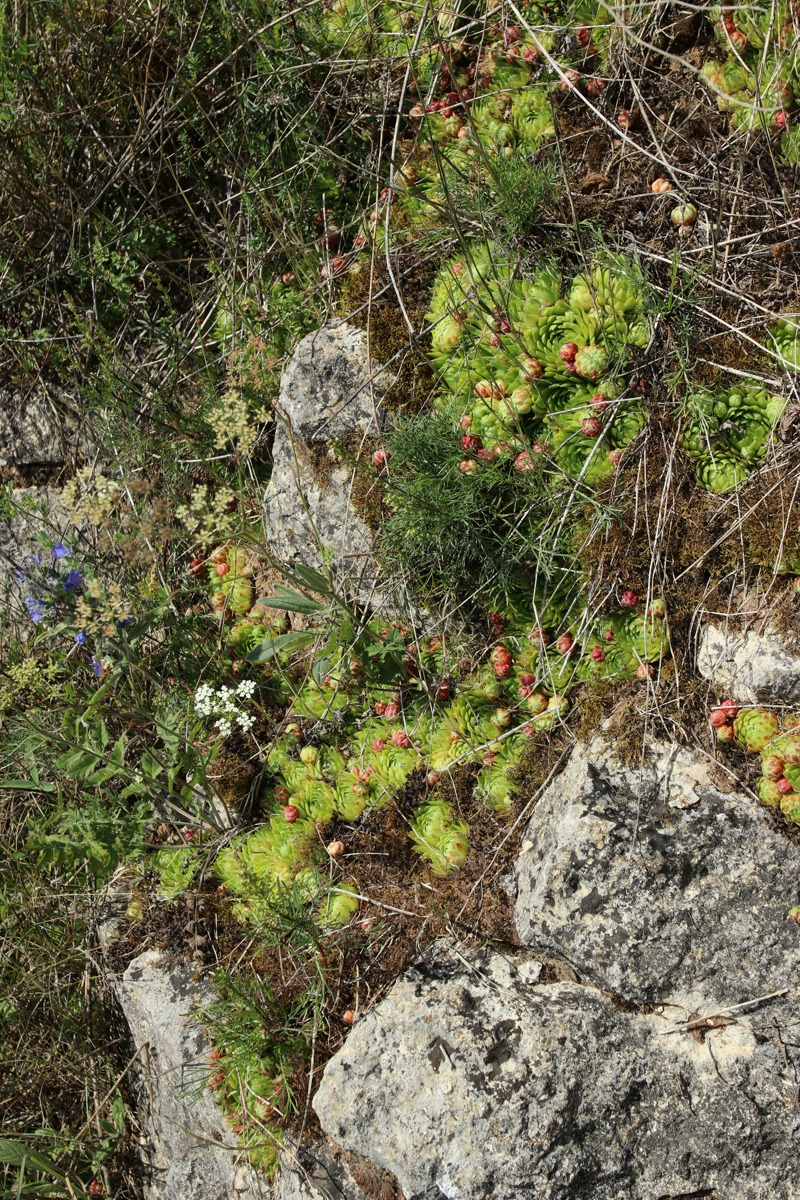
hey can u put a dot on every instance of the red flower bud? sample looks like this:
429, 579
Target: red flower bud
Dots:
784, 787
290, 814
380, 458
222, 569
391, 712
718, 718
197, 567
471, 442
568, 351
629, 599
597, 654
378, 744
591, 427
564, 643
468, 466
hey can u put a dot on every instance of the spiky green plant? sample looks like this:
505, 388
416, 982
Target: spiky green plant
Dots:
439, 837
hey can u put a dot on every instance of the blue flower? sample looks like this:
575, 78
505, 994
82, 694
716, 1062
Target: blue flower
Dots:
127, 622
97, 665
35, 608
80, 637
72, 581
61, 551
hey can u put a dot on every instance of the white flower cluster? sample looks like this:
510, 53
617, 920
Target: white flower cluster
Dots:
221, 703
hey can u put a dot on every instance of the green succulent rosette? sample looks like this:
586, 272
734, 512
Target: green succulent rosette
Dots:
728, 431
500, 345
755, 728
439, 837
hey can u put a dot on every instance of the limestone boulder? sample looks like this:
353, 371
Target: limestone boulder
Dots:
330, 404
470, 1082
656, 886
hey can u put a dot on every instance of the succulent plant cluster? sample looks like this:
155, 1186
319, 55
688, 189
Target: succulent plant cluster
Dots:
728, 433
776, 738
540, 366
430, 719
758, 81
230, 580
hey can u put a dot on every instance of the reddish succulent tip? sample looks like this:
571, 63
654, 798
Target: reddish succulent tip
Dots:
290, 814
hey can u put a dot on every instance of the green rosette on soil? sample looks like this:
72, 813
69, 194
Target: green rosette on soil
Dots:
439, 837
768, 793
340, 904
728, 431
755, 728
176, 868
273, 858
758, 81
550, 717
516, 352
784, 338
493, 783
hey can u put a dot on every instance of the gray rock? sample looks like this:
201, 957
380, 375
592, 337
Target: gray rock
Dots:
329, 390
316, 1173
749, 666
656, 886
34, 428
192, 1153
470, 1084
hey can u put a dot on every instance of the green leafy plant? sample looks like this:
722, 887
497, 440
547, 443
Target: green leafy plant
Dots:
484, 535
